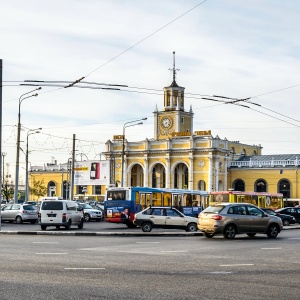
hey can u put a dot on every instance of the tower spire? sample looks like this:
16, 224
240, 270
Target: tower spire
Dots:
174, 69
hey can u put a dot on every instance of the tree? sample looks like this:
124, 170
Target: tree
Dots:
38, 188
7, 191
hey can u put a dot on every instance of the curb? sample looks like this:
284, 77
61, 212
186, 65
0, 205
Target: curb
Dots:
90, 233
101, 233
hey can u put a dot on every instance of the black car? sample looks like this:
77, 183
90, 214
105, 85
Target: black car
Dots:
286, 219
292, 211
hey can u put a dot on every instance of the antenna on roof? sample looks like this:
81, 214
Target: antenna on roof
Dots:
174, 69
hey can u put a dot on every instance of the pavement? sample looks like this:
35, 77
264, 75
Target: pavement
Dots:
117, 232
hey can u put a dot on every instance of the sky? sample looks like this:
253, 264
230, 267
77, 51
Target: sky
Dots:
230, 48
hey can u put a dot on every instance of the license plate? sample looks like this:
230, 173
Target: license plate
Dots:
51, 215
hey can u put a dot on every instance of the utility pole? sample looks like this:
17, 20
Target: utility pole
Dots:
72, 170
1, 131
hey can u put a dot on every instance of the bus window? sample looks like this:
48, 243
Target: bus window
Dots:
167, 199
145, 200
177, 201
187, 200
156, 199
196, 200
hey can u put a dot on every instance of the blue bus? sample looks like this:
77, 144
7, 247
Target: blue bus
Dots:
121, 203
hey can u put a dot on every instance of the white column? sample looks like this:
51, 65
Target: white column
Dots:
168, 172
146, 172
191, 173
210, 175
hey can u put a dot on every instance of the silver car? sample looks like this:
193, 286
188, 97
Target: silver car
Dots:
230, 219
19, 213
164, 217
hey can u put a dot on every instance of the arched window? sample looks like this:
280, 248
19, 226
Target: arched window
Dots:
260, 186
181, 176
51, 188
201, 185
284, 188
239, 185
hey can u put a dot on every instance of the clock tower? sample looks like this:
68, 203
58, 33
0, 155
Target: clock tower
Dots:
173, 120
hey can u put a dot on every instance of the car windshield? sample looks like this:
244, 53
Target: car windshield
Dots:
213, 209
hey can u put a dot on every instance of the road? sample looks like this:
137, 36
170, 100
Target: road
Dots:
147, 267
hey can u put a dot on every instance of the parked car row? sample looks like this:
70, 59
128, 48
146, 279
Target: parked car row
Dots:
32, 212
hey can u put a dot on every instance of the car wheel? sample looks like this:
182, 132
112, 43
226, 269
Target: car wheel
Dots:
147, 227
68, 226
192, 227
229, 232
272, 231
18, 220
286, 222
43, 227
87, 217
80, 225
208, 235
251, 234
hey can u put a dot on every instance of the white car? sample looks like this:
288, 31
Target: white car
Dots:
59, 213
164, 217
91, 213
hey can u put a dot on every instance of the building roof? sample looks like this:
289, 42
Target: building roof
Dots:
269, 157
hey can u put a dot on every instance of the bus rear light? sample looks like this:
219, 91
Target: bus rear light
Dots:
216, 217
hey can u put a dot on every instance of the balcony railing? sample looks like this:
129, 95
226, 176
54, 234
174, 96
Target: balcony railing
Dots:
263, 164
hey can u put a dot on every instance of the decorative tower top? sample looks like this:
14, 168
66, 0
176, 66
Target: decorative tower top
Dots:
174, 71
174, 94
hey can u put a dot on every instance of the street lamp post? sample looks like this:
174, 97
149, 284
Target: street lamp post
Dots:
3, 175
127, 124
18, 142
30, 132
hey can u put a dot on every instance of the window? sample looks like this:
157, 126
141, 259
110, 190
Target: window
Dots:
253, 211
172, 213
157, 212
52, 205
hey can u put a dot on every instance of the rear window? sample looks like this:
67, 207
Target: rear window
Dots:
214, 209
29, 207
52, 205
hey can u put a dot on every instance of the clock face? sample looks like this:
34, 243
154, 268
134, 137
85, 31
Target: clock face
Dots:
166, 122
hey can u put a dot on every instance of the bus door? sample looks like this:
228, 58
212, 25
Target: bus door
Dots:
204, 202
177, 201
187, 208
145, 200
261, 201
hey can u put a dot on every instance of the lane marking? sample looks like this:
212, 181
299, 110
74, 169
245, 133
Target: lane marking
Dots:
236, 265
45, 242
50, 253
147, 242
220, 272
294, 238
84, 268
174, 251
272, 248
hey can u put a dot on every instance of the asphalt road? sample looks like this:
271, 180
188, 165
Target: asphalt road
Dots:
149, 267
